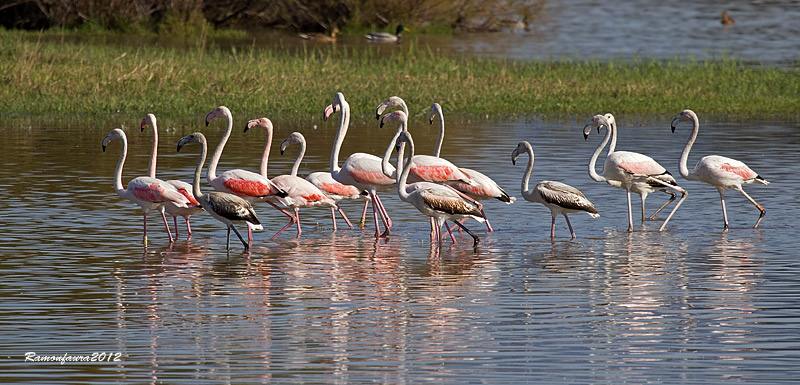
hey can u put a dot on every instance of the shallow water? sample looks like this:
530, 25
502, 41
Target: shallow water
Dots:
690, 304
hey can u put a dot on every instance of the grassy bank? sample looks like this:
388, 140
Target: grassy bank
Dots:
49, 79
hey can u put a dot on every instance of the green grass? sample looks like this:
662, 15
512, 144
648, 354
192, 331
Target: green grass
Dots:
41, 77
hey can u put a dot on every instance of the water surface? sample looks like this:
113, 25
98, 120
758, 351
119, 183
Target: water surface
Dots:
690, 304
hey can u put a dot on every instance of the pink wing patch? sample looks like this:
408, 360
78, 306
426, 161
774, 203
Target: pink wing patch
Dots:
478, 191
370, 177
150, 193
189, 196
434, 173
742, 171
314, 197
641, 168
339, 189
248, 188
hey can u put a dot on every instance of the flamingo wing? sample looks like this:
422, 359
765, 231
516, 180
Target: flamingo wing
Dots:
365, 169
185, 189
442, 199
565, 196
482, 187
301, 191
434, 169
244, 184
155, 190
325, 182
232, 207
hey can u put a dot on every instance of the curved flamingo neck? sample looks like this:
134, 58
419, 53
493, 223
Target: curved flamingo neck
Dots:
265, 155
212, 167
613, 145
120, 163
402, 177
527, 194
685, 154
198, 170
390, 149
344, 122
438, 111
299, 159
151, 168
592, 173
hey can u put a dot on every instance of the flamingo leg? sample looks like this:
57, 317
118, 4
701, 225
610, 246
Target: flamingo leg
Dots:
297, 215
363, 222
434, 222
333, 218
188, 230
569, 225
245, 244
630, 214
758, 206
446, 226
144, 229
175, 221
350, 225
249, 235
644, 197
474, 237
476, 203
288, 214
684, 194
384, 215
488, 225
166, 225
291, 222
438, 232
553, 227
724, 212
672, 197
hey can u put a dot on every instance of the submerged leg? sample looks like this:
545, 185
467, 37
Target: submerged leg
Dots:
446, 226
363, 222
553, 227
245, 244
571, 231
474, 237
630, 214
188, 230
724, 212
758, 206
166, 225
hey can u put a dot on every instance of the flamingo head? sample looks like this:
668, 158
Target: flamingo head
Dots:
597, 122
260, 122
191, 138
149, 119
392, 102
436, 110
522, 147
115, 134
395, 116
220, 111
336, 105
293, 138
685, 116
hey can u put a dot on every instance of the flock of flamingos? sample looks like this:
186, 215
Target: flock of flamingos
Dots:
436, 187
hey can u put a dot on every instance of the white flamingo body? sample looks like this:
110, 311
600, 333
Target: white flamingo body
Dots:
436, 201
227, 208
559, 198
361, 170
719, 171
425, 168
630, 171
147, 192
184, 188
325, 182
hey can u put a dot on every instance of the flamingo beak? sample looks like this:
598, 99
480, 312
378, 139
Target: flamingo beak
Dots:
674, 123
329, 110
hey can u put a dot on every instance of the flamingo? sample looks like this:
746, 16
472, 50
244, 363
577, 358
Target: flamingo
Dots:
718, 171
301, 193
325, 182
184, 188
386, 37
246, 184
225, 207
426, 168
667, 177
559, 197
630, 171
147, 192
434, 200
481, 186
359, 169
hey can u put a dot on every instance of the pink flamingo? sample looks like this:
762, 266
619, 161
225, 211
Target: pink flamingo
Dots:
147, 192
718, 171
184, 188
325, 182
630, 171
560, 198
301, 193
224, 207
249, 185
426, 168
434, 200
481, 186
359, 169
